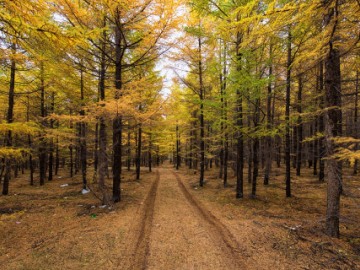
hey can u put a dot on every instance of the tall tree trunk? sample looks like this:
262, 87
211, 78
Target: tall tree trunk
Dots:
268, 140
294, 145
150, 154
117, 121
96, 147
83, 149
226, 149
256, 144
356, 124
287, 116
310, 146
240, 125
128, 148
177, 147
9, 119
71, 161
224, 154
138, 152
333, 129
321, 125
102, 155
202, 123
57, 157
42, 147
103, 158
221, 154
250, 149
51, 144
31, 163
315, 148
299, 128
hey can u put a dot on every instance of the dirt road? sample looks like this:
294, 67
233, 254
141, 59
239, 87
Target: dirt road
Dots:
176, 232
163, 222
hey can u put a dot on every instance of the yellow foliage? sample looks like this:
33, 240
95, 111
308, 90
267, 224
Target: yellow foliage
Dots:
13, 153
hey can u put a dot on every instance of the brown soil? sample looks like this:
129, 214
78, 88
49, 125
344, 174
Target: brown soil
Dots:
166, 221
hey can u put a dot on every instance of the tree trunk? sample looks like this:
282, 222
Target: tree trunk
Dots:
128, 148
138, 153
356, 124
51, 144
9, 119
82, 126
256, 144
102, 169
42, 147
333, 128
31, 165
315, 149
96, 147
240, 125
321, 124
294, 145
202, 123
250, 151
287, 117
150, 154
71, 161
117, 122
57, 157
299, 128
268, 140
177, 148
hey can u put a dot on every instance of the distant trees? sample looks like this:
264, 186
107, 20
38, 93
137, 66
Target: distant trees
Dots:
278, 59
258, 82
82, 63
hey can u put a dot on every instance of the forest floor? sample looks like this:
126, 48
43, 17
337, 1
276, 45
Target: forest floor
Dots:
166, 221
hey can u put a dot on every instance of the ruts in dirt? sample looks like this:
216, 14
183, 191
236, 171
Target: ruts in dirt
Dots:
174, 231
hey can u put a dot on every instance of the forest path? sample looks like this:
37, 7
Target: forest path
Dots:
165, 221
178, 233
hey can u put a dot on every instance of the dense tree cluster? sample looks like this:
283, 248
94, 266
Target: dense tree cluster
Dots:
263, 87
259, 83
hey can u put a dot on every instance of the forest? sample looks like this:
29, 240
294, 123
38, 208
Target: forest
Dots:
180, 134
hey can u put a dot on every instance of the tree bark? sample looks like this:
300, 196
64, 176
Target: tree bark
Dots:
96, 147
240, 125
202, 123
321, 124
299, 128
42, 147
356, 124
287, 117
31, 163
117, 121
333, 129
256, 144
128, 148
138, 152
57, 157
51, 144
10, 119
83, 149
177, 147
102, 155
268, 140
150, 154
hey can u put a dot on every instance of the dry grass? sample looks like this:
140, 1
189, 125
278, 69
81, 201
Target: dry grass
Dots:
53, 227
59, 228
287, 230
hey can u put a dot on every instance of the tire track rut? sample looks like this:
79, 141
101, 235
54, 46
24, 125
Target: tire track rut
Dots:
142, 246
219, 232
